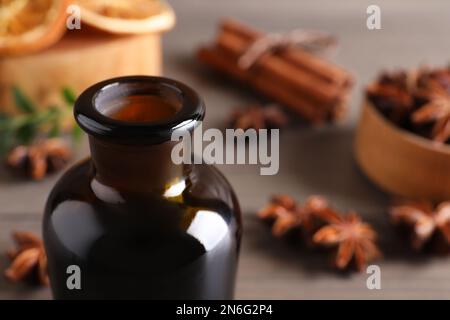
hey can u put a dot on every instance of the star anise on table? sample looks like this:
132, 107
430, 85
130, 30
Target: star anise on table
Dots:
354, 239
28, 259
435, 111
259, 117
428, 224
38, 159
287, 215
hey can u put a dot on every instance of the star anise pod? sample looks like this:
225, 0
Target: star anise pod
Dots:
439, 76
28, 259
287, 215
418, 101
40, 158
355, 240
259, 117
427, 223
435, 111
391, 94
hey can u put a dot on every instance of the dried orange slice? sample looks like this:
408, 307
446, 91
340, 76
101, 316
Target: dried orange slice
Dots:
127, 16
30, 25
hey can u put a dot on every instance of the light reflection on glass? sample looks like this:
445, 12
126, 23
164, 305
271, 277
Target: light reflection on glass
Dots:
175, 190
209, 228
106, 193
77, 226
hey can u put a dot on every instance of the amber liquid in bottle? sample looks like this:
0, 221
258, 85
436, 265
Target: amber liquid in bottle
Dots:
141, 108
139, 226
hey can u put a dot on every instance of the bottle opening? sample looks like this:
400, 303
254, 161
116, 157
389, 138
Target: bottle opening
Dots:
136, 109
140, 108
137, 102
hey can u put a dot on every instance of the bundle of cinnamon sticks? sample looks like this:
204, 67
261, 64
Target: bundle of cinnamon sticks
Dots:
316, 89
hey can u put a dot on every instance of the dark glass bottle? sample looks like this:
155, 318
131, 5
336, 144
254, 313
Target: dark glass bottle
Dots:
137, 225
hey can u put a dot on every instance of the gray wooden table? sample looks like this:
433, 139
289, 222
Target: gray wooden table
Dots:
312, 160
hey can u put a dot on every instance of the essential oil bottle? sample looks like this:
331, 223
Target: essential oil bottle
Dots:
134, 224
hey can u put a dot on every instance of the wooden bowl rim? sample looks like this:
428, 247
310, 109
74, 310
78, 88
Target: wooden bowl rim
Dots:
404, 134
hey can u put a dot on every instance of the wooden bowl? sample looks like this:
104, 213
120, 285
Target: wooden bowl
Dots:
80, 59
401, 162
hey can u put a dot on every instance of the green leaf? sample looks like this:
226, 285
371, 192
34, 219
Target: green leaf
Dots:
6, 141
22, 102
26, 133
5, 121
77, 133
23, 128
69, 96
55, 130
54, 115
43, 117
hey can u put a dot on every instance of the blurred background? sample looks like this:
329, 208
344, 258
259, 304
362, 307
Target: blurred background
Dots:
313, 160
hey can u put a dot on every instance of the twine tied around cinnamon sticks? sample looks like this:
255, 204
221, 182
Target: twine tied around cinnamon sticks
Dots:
316, 89
310, 40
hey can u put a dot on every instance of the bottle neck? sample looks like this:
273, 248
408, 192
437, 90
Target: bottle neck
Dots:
136, 168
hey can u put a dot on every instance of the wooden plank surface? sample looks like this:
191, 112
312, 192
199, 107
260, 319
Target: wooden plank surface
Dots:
311, 160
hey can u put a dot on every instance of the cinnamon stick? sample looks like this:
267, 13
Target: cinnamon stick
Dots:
218, 59
315, 88
300, 58
283, 72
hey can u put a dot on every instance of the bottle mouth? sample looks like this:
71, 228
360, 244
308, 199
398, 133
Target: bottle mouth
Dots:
95, 108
